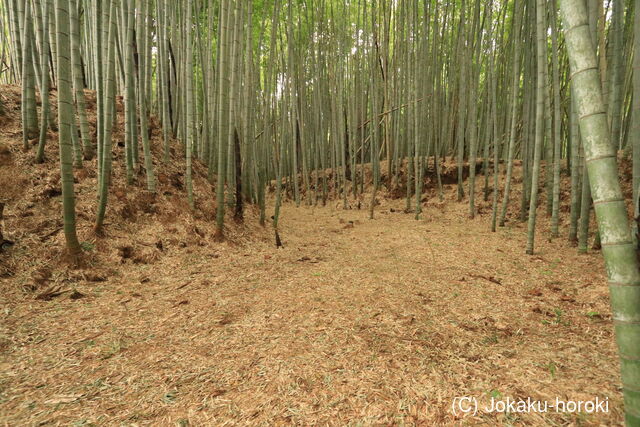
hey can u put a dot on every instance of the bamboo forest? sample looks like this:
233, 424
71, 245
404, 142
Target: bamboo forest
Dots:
319, 212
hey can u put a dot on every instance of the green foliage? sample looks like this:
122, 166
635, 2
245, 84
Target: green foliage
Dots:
87, 246
558, 318
594, 315
170, 397
495, 394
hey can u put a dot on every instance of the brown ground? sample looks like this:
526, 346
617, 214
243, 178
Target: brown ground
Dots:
354, 322
382, 321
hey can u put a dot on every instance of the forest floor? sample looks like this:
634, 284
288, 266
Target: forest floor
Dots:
353, 322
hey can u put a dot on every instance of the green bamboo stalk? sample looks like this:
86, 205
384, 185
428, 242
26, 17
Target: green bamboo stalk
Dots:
65, 118
541, 36
44, 78
617, 246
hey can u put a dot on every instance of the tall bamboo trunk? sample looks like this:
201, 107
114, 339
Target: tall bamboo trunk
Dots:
65, 118
617, 246
541, 36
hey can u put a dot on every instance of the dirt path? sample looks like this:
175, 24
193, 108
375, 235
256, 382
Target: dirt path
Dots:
363, 322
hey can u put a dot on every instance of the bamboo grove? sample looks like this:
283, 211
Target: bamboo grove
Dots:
314, 96
287, 91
